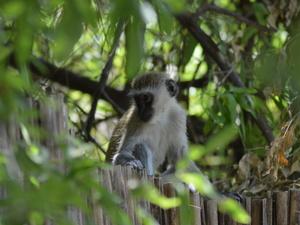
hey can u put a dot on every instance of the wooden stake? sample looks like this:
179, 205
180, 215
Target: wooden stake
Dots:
211, 212
295, 207
282, 208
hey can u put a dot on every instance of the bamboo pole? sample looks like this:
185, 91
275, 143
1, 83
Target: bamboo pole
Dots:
211, 212
195, 203
171, 215
282, 210
256, 211
295, 207
203, 216
270, 207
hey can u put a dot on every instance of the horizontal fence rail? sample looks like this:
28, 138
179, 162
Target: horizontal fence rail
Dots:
278, 208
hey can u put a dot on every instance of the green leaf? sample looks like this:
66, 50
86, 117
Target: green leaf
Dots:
221, 139
189, 45
246, 105
24, 42
176, 5
154, 196
67, 32
196, 152
145, 218
234, 210
36, 218
260, 12
239, 90
12, 9
216, 142
186, 214
249, 32
86, 11
200, 182
124, 9
165, 18
25, 134
134, 33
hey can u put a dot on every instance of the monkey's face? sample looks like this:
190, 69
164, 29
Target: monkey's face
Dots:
152, 94
144, 105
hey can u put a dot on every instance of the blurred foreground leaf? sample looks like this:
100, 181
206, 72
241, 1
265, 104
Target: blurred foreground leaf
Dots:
153, 195
134, 46
200, 182
234, 210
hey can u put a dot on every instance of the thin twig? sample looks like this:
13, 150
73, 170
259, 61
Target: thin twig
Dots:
214, 8
77, 106
102, 82
114, 104
91, 139
225, 77
97, 121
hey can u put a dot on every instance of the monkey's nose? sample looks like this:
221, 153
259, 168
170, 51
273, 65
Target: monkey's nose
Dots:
145, 114
147, 98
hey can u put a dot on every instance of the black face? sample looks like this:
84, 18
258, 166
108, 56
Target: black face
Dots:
144, 103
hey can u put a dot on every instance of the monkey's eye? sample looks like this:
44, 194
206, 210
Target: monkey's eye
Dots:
147, 97
143, 99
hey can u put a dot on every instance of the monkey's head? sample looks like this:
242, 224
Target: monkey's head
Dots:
152, 93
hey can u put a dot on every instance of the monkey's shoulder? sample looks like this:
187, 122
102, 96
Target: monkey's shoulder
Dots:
177, 116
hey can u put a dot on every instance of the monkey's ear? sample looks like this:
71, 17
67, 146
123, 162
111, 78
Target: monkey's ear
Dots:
172, 87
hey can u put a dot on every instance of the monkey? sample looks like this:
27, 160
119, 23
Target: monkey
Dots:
153, 128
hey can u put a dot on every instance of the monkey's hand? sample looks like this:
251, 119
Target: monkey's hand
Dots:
126, 159
135, 164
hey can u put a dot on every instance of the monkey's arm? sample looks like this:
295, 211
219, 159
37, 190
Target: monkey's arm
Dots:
178, 144
127, 159
143, 153
138, 156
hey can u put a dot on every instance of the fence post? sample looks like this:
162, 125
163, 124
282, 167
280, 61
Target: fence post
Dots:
295, 207
282, 210
211, 212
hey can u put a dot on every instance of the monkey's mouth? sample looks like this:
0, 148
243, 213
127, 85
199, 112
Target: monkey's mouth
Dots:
145, 115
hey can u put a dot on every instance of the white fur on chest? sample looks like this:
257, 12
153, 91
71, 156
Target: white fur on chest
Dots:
156, 136
162, 133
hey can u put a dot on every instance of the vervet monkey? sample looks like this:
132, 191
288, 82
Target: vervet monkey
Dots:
153, 128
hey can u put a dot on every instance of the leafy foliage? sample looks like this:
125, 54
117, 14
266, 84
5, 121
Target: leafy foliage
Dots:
259, 39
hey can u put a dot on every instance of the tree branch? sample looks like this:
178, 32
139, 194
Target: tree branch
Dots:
198, 83
44, 69
238, 17
72, 80
189, 22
